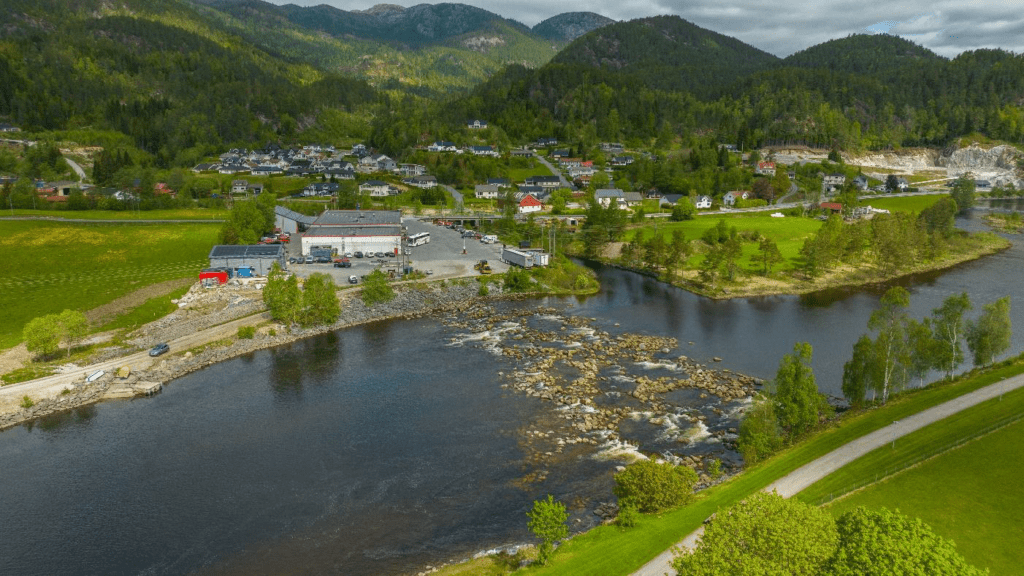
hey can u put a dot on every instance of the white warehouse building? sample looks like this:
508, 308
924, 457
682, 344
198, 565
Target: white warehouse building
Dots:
355, 231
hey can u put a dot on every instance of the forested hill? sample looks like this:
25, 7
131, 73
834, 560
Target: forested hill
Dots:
872, 54
662, 76
160, 73
570, 25
426, 49
668, 53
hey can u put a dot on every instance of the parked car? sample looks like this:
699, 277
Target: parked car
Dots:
291, 260
348, 254
359, 254
323, 259
159, 349
343, 263
353, 279
308, 260
390, 254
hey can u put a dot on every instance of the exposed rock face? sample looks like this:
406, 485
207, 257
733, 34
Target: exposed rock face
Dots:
570, 26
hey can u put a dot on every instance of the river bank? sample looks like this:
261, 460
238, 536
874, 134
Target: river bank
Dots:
844, 277
411, 301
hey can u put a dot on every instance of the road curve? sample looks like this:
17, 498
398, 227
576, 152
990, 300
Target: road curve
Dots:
808, 474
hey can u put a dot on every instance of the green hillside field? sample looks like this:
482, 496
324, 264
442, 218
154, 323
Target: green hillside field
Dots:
52, 266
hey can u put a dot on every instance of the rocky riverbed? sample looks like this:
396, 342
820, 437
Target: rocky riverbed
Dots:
617, 396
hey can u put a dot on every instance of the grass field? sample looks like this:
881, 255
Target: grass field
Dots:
54, 265
971, 495
789, 233
610, 550
173, 214
913, 204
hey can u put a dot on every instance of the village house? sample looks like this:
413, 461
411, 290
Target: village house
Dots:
375, 188
606, 196
556, 154
320, 189
545, 142
411, 169
703, 202
565, 162
525, 203
424, 182
861, 182
612, 147
544, 181
832, 183
765, 168
477, 124
239, 186
633, 198
443, 146
622, 161
733, 196
483, 151
487, 191
500, 182
521, 153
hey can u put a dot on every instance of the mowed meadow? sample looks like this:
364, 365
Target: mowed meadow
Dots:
51, 266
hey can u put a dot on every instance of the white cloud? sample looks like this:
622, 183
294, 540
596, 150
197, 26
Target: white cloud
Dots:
782, 27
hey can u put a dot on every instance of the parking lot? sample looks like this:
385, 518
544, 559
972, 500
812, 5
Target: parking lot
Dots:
442, 257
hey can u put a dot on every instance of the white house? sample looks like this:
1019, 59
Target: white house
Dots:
606, 196
425, 182
488, 191
443, 146
375, 188
483, 151
832, 182
765, 168
477, 124
731, 197
703, 202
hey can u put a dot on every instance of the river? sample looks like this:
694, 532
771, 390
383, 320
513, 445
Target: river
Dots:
387, 447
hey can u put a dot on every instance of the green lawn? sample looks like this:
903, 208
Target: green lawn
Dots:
56, 265
171, 214
789, 233
913, 204
971, 495
610, 550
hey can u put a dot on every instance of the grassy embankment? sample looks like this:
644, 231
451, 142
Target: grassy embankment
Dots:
970, 494
562, 277
54, 266
611, 550
789, 234
170, 214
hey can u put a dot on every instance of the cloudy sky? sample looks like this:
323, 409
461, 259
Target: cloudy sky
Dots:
947, 27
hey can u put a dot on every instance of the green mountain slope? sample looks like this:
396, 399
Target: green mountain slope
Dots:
871, 54
427, 49
667, 52
160, 72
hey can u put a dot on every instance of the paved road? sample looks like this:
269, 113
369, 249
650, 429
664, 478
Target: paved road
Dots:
51, 386
554, 171
74, 166
808, 474
94, 221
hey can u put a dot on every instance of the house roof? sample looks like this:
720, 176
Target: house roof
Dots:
831, 205
373, 183
633, 196
609, 193
248, 251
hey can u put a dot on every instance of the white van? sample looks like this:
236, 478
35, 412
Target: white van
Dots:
489, 239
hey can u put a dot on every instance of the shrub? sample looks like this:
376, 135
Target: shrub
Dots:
27, 402
483, 291
376, 289
628, 516
247, 332
651, 486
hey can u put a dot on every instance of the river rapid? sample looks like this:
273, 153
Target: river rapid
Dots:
388, 447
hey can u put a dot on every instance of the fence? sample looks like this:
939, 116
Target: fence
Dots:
918, 459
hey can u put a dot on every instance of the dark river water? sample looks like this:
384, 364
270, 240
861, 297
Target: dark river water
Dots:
382, 448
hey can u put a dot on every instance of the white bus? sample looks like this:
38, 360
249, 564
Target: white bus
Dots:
418, 239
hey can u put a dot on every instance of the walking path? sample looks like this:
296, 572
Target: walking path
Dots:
810, 473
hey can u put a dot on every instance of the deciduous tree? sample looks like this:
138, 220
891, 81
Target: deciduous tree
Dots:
651, 486
759, 435
989, 336
891, 346
763, 534
547, 522
320, 304
798, 404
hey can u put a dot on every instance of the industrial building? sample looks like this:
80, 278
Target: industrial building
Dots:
356, 231
259, 258
290, 221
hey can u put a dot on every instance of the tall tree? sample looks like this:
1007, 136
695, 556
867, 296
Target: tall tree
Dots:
963, 193
861, 372
989, 336
949, 328
798, 404
320, 304
768, 255
547, 522
759, 434
891, 346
